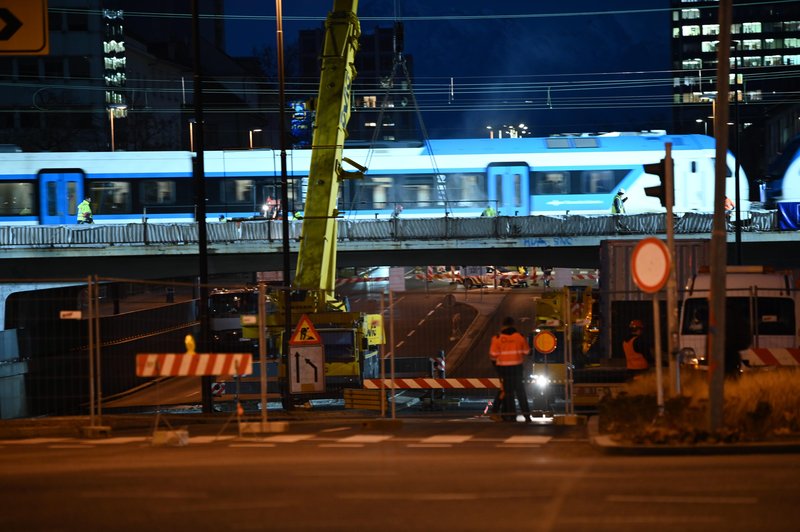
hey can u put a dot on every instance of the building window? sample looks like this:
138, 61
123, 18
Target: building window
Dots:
709, 46
710, 29
752, 61
792, 25
751, 44
751, 27
691, 64
791, 43
689, 14
772, 60
690, 31
791, 59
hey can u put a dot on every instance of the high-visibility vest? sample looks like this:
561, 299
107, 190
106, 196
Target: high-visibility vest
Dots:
617, 206
508, 349
633, 359
84, 208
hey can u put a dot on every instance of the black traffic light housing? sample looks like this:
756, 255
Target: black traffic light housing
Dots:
659, 191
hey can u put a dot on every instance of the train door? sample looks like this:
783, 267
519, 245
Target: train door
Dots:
509, 188
59, 195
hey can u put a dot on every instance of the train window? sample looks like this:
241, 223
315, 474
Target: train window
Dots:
237, 191
110, 197
467, 190
158, 192
586, 142
552, 182
17, 199
597, 181
414, 191
557, 142
72, 198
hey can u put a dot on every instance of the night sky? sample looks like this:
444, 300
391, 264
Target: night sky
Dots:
571, 66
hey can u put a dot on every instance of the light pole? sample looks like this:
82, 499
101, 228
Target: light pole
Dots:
257, 130
114, 110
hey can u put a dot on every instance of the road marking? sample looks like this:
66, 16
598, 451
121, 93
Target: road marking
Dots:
116, 441
209, 439
430, 445
447, 438
342, 445
287, 438
411, 333
527, 439
33, 441
365, 438
254, 445
681, 499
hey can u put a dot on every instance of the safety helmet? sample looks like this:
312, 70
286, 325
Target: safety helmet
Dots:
635, 324
621, 191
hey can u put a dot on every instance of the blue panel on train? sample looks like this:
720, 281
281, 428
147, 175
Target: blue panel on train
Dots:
789, 215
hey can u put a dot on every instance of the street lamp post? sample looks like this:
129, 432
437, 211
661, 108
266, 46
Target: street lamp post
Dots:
113, 110
257, 130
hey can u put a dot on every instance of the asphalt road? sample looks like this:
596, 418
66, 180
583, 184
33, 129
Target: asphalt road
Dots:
437, 473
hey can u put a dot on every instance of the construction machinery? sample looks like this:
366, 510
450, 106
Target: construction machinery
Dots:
351, 340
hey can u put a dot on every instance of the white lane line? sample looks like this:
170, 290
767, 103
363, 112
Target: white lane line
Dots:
429, 313
115, 441
33, 441
209, 439
447, 438
528, 439
286, 438
366, 438
411, 333
253, 445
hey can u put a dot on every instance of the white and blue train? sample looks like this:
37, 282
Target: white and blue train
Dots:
578, 175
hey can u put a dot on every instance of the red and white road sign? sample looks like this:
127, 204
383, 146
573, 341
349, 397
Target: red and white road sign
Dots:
196, 365
305, 333
650, 264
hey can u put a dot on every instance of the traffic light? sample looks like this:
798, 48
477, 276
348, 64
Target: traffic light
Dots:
659, 191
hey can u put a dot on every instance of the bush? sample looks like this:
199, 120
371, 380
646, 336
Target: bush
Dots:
759, 405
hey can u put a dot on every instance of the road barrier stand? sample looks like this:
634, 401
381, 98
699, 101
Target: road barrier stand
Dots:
191, 364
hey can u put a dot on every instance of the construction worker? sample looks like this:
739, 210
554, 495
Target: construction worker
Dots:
489, 212
618, 204
85, 211
507, 351
637, 352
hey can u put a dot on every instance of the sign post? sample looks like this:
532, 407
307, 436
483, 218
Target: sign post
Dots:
651, 264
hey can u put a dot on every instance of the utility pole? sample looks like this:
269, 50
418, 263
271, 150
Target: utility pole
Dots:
719, 233
672, 284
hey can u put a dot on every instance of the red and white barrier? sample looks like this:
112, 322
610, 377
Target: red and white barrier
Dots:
195, 365
772, 356
430, 383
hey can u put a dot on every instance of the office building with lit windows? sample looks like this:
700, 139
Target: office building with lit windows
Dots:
764, 75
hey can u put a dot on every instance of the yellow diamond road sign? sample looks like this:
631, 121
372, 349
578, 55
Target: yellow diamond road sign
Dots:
23, 27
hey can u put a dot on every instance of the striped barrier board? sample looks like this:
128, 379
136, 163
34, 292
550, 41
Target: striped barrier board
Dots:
430, 383
771, 356
194, 365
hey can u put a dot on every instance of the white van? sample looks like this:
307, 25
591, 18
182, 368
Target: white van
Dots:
763, 301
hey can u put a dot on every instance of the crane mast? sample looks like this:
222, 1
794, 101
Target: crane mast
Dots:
316, 260
351, 340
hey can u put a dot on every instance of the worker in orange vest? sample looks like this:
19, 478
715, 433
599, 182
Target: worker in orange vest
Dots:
637, 352
507, 351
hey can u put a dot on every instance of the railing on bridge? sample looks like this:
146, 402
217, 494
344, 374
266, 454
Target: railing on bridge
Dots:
398, 228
